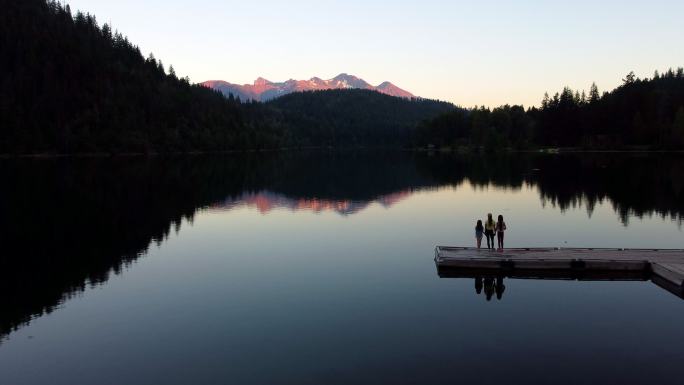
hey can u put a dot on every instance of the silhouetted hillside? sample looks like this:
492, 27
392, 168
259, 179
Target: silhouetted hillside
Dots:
353, 117
71, 86
68, 85
646, 113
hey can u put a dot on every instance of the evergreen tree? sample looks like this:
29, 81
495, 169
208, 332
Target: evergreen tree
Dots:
644, 113
630, 78
594, 94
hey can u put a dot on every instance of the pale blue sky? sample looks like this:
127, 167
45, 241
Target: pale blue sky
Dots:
466, 52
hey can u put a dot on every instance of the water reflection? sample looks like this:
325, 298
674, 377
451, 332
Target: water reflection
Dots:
267, 201
636, 185
492, 285
70, 223
493, 282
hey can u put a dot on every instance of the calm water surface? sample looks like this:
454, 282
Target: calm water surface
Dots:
318, 269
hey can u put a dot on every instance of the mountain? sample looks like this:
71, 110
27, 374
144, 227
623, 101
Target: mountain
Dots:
73, 87
264, 90
390, 89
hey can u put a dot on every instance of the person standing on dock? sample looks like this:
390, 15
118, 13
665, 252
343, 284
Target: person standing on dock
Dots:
500, 228
489, 231
479, 231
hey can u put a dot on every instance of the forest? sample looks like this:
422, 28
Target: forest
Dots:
639, 114
353, 118
71, 86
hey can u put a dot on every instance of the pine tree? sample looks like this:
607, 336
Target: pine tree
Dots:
107, 31
594, 94
630, 78
545, 101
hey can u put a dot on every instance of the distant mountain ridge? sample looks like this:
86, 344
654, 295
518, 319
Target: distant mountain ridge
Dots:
264, 90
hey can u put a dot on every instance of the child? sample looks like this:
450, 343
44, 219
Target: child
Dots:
500, 228
489, 231
479, 232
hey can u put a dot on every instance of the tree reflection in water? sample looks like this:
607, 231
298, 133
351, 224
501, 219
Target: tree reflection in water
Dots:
67, 224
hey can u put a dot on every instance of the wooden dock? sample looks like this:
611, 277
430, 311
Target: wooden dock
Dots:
664, 267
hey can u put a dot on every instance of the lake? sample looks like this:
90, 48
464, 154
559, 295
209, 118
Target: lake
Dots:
317, 268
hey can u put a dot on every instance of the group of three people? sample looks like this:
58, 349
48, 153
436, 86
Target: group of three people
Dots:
489, 229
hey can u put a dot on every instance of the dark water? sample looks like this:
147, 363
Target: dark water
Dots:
317, 269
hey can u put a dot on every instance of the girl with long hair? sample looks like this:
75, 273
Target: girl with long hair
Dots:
500, 228
489, 231
479, 231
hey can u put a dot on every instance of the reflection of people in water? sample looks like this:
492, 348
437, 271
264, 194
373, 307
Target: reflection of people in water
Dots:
478, 285
489, 231
489, 288
479, 231
500, 288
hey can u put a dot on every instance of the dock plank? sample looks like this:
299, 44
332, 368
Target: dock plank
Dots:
671, 272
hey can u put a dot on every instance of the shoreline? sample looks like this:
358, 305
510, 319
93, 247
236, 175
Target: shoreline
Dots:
547, 151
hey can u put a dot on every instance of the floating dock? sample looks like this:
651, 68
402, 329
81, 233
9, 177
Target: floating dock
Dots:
664, 267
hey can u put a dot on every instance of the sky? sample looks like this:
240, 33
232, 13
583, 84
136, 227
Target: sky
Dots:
466, 52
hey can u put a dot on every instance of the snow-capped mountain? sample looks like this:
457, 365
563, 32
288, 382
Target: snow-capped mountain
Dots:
264, 90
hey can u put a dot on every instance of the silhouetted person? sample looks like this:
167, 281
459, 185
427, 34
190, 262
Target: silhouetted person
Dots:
479, 231
489, 231
489, 288
500, 288
500, 228
478, 285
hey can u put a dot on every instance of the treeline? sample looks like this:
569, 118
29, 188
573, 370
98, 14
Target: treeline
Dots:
641, 113
68, 85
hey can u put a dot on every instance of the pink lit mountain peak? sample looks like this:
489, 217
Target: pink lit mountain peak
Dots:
264, 90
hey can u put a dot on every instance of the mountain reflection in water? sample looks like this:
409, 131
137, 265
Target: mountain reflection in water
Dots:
266, 201
68, 224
